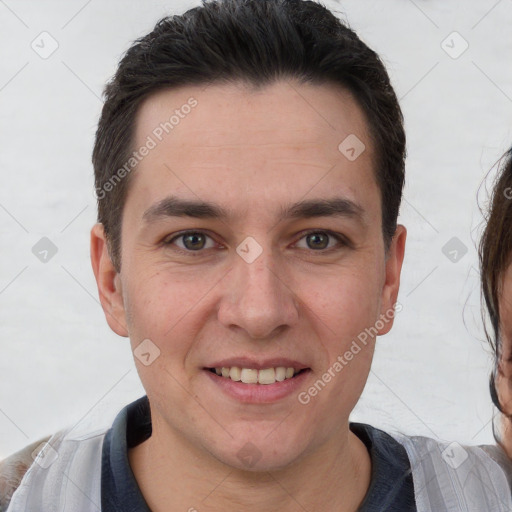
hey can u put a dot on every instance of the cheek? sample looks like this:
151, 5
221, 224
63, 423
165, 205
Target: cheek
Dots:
504, 378
344, 315
506, 333
345, 306
504, 387
505, 308
158, 304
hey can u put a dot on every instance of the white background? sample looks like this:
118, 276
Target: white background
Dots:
59, 362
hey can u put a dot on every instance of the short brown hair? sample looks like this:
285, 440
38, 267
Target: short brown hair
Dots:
495, 254
257, 42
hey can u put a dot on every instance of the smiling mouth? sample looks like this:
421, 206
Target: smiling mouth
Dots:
252, 376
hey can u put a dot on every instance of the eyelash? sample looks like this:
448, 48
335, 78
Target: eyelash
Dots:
342, 241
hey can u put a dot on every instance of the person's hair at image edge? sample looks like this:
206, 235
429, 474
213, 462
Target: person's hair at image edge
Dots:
256, 43
495, 254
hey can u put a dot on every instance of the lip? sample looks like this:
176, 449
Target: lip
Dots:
259, 393
254, 364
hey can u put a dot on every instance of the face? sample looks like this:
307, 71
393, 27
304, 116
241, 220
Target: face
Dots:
504, 374
504, 380
250, 242
506, 309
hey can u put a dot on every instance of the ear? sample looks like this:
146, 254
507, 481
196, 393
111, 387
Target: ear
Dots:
394, 260
108, 281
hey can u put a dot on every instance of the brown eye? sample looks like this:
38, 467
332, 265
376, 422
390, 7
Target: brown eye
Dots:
191, 241
322, 241
194, 241
317, 240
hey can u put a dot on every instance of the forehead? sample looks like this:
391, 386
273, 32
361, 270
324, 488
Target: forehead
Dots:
251, 146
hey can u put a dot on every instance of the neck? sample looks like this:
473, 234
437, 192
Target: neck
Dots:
173, 475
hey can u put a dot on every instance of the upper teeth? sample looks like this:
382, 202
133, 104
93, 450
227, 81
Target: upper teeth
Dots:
251, 376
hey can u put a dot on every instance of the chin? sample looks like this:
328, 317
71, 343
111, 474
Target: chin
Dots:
251, 460
265, 452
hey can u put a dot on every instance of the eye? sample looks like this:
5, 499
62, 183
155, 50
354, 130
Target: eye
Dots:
191, 241
197, 241
321, 240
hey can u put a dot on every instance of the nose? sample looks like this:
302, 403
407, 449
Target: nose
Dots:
258, 298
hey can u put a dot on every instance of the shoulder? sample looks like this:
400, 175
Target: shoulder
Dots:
391, 485
380, 444
13, 469
36, 475
453, 476
453, 455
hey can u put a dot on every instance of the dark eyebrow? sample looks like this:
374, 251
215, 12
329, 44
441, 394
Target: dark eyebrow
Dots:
175, 207
335, 207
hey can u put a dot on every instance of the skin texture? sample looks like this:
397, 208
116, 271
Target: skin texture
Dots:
504, 377
253, 152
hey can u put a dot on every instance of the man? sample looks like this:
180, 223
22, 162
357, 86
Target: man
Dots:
249, 165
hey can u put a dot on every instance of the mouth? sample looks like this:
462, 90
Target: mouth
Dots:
265, 376
265, 384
